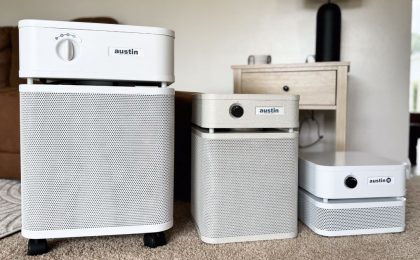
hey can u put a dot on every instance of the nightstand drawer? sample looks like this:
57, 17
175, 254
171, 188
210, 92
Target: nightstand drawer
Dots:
314, 87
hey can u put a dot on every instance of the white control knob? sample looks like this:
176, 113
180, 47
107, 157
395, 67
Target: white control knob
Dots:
66, 50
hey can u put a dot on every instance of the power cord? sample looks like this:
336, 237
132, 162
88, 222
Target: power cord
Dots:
308, 120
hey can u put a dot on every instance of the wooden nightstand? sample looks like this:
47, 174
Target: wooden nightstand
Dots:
321, 86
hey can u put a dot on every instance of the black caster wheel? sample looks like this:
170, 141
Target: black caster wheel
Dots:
37, 246
154, 240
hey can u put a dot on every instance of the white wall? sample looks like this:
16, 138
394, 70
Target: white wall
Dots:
213, 35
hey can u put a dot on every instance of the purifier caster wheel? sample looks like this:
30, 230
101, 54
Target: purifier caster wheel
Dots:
37, 246
153, 240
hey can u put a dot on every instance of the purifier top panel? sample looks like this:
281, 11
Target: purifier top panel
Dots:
349, 175
346, 159
250, 97
96, 27
245, 111
89, 51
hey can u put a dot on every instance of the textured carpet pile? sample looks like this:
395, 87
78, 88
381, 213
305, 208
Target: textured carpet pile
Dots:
184, 243
10, 221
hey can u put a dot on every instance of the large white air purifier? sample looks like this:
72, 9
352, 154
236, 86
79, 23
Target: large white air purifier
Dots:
351, 193
97, 131
244, 167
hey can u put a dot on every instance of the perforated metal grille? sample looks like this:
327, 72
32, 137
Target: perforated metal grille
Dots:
244, 187
96, 160
350, 218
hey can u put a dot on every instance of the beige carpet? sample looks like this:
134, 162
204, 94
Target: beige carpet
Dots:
185, 244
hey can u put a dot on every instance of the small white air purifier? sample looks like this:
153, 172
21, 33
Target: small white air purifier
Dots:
351, 193
97, 131
244, 167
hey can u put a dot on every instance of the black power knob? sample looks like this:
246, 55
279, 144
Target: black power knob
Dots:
236, 110
350, 182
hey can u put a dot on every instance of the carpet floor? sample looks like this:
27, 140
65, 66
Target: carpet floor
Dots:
10, 220
184, 243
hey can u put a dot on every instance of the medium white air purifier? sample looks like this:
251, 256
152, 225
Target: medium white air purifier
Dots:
244, 167
97, 131
351, 193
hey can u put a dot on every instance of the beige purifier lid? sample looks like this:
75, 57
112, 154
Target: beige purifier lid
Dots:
245, 111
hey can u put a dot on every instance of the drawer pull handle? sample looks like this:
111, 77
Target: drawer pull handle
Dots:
286, 88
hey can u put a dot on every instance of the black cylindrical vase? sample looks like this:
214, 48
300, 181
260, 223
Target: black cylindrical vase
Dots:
328, 33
